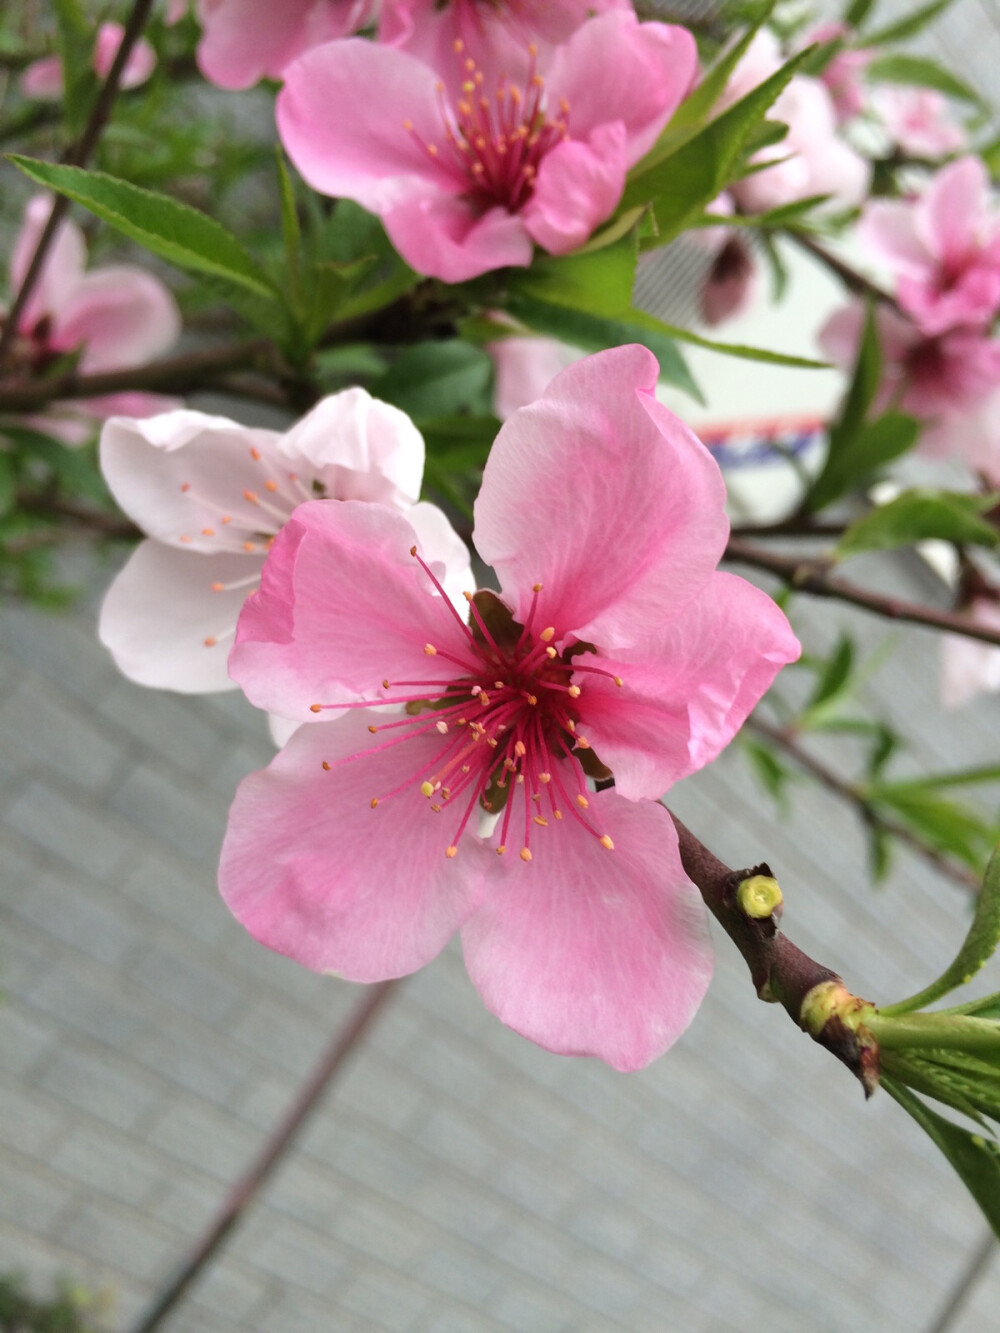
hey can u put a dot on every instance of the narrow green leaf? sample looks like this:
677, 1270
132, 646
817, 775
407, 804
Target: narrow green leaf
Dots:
987, 1007
8, 484
438, 379
642, 319
857, 11
290, 229
908, 26
835, 673
975, 1157
921, 72
598, 282
771, 773
594, 333
76, 44
919, 514
174, 231
950, 827
978, 946
696, 106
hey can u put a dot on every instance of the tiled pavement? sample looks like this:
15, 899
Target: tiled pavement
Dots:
458, 1178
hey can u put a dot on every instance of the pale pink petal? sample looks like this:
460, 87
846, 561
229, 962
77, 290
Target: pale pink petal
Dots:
593, 952
246, 39
685, 694
614, 69
176, 10
951, 215
314, 872
445, 237
132, 403
139, 65
63, 265
364, 449
120, 315
443, 549
578, 186
341, 118
603, 496
342, 606
524, 368
43, 80
161, 609
969, 668
181, 473
760, 60
887, 229
919, 120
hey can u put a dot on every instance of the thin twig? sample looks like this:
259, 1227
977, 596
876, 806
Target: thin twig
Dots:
796, 526
810, 576
852, 279
846, 791
273, 1150
77, 156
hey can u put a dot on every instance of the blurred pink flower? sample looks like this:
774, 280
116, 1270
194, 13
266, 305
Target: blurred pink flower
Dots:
247, 40
466, 183
357, 850
212, 495
116, 317
43, 80
919, 121
970, 668
842, 76
811, 159
524, 367
947, 381
944, 248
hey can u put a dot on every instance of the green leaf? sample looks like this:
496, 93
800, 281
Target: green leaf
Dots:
948, 826
290, 229
679, 181
696, 106
438, 379
908, 26
598, 282
975, 1157
979, 945
8, 484
744, 353
174, 231
920, 514
594, 333
770, 771
857, 11
922, 73
76, 44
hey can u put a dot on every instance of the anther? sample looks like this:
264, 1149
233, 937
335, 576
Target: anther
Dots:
582, 743
374, 802
208, 532
255, 454
436, 809
582, 801
218, 587
315, 708
536, 587
451, 851
551, 652
185, 538
442, 726
541, 820
427, 788
605, 841
548, 634
185, 486
413, 550
618, 681
251, 497
545, 777
373, 729
501, 849
211, 641
430, 650
525, 854
520, 749
326, 766
385, 685
574, 691
270, 485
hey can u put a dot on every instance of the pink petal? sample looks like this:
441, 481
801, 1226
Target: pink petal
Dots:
616, 70
591, 952
603, 496
686, 694
363, 448
43, 80
247, 39
969, 668
139, 65
120, 315
63, 266
160, 610
578, 186
524, 368
445, 237
888, 229
342, 606
443, 549
314, 872
180, 473
951, 215
341, 118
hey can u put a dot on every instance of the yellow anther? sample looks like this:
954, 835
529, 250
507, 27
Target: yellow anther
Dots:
541, 820
520, 749
582, 801
619, 682
574, 691
413, 550
498, 684
407, 125
582, 743
525, 854
548, 634
427, 788
211, 641
451, 851
315, 708
551, 652
605, 841
326, 766
430, 650
374, 802
372, 728
532, 699
467, 596
536, 587
501, 849
441, 726
218, 587
255, 453
545, 777
557, 814
436, 809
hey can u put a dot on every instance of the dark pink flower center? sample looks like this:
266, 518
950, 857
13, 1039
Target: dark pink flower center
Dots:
496, 144
509, 727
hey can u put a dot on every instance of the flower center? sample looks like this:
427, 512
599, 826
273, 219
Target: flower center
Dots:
509, 722
495, 144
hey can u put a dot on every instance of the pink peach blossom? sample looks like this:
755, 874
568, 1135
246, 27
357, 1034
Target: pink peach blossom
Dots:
948, 382
247, 40
970, 668
212, 495
919, 121
944, 248
357, 850
43, 79
116, 317
524, 367
463, 184
842, 76
811, 159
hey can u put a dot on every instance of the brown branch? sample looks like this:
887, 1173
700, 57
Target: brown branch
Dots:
780, 971
799, 525
810, 576
852, 279
847, 792
77, 156
272, 1152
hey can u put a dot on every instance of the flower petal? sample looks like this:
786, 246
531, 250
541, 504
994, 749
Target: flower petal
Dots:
685, 695
314, 872
887, 230
64, 262
444, 236
342, 606
161, 609
603, 496
953, 210
121, 316
578, 186
591, 952
246, 39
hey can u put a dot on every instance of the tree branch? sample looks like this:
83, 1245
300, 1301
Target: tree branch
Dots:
810, 576
813, 996
834, 783
852, 279
76, 156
